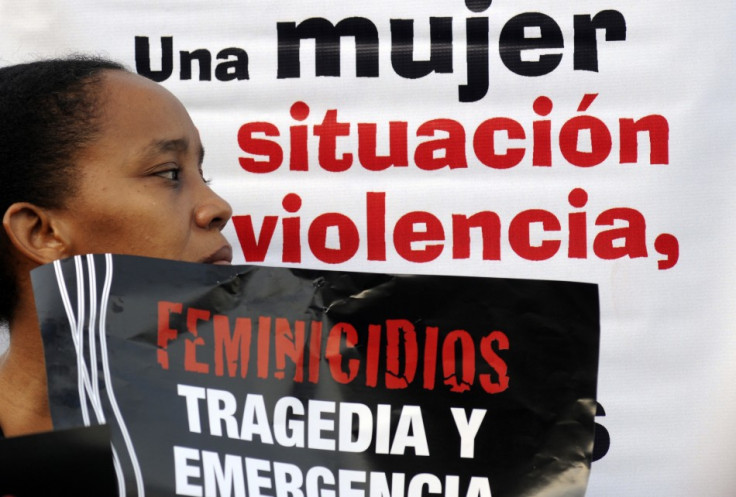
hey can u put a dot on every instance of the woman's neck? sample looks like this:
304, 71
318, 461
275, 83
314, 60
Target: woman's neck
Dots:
24, 404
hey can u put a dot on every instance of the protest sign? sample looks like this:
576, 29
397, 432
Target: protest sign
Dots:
561, 140
249, 380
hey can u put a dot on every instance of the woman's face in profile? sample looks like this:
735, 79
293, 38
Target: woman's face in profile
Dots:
139, 184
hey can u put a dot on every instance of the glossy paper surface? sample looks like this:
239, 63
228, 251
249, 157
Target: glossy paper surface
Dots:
260, 381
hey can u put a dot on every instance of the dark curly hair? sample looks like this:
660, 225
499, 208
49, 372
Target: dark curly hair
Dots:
49, 110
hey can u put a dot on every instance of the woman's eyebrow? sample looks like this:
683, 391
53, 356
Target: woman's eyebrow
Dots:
168, 145
171, 145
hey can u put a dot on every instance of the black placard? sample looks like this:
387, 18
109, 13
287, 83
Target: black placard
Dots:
287, 382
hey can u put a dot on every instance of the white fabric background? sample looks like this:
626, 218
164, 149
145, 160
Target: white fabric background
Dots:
667, 344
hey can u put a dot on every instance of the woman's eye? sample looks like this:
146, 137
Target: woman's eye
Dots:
170, 174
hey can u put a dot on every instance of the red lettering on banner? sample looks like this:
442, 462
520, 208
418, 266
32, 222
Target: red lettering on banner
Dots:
165, 332
376, 227
260, 147
498, 365
372, 355
484, 143
426, 155
459, 373
667, 244
256, 246
394, 354
542, 155
328, 132
596, 131
334, 353
347, 235
520, 234
190, 345
367, 146
490, 225
292, 246
577, 225
289, 343
264, 346
632, 236
315, 343
400, 336
233, 345
408, 231
659, 132
583, 141
419, 236
299, 150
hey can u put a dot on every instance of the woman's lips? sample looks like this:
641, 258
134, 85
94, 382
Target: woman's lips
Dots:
224, 255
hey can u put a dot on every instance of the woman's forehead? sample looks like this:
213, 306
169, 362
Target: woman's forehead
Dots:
134, 107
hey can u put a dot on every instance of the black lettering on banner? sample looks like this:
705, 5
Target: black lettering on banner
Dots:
477, 60
233, 67
327, 46
514, 41
527, 33
586, 46
602, 439
402, 48
143, 58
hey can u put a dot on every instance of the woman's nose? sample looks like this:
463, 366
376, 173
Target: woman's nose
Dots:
214, 212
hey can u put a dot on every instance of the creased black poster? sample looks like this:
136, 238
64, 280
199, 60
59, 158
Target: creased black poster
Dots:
258, 381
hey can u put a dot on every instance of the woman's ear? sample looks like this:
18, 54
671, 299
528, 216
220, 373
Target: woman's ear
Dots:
35, 233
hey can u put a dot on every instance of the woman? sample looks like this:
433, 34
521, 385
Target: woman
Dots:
93, 159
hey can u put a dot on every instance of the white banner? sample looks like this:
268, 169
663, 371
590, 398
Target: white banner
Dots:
585, 141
